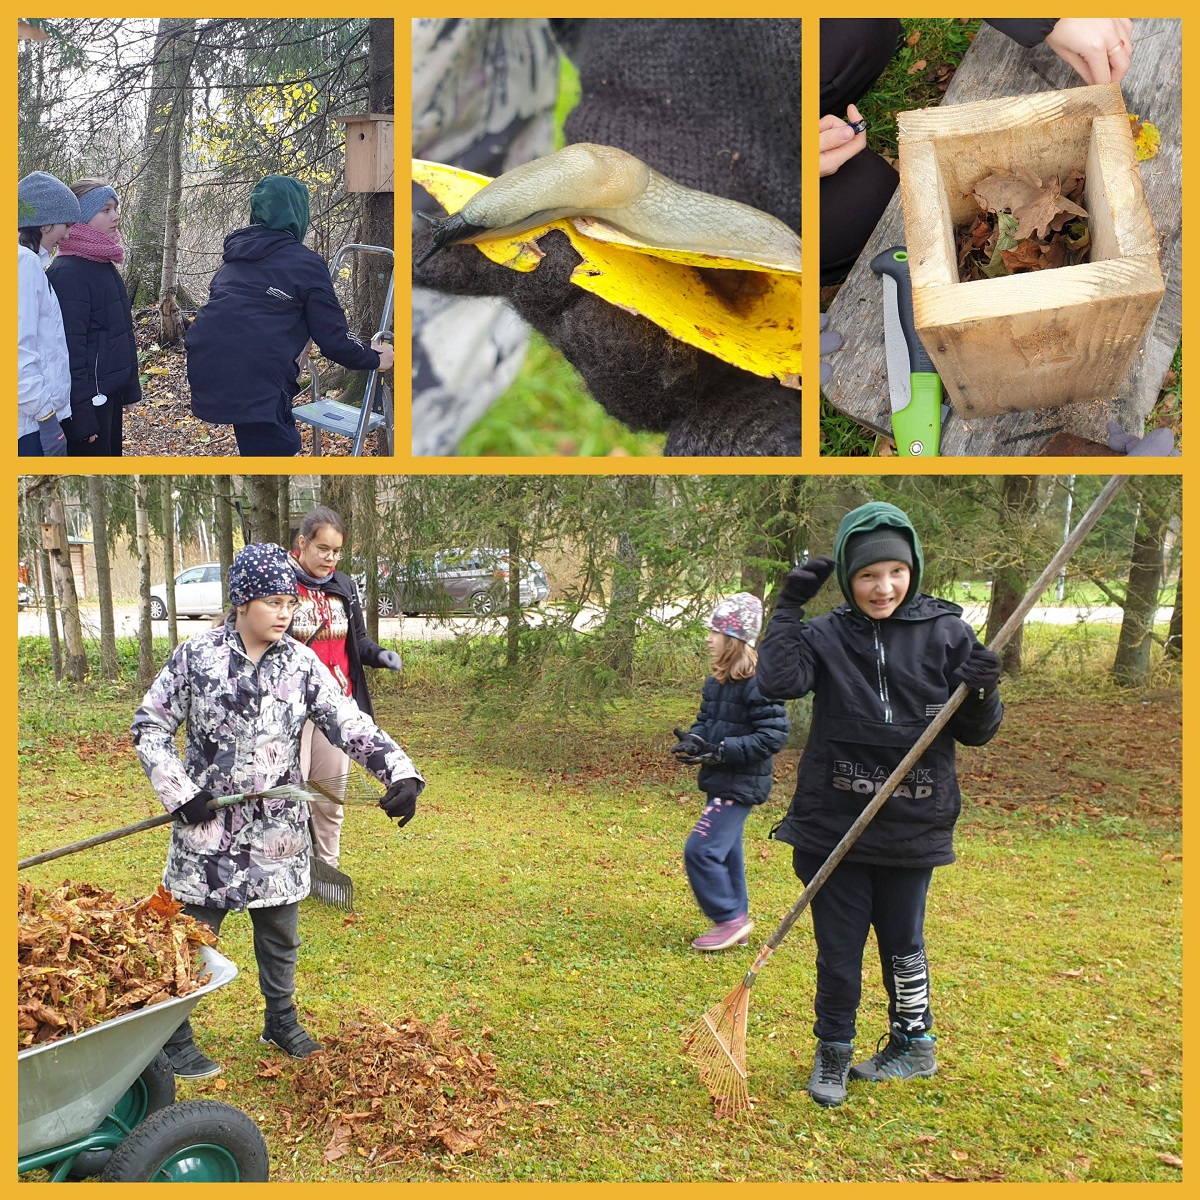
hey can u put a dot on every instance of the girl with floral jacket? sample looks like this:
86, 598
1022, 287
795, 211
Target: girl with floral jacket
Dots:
244, 691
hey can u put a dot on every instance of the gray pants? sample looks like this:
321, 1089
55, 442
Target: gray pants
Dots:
276, 941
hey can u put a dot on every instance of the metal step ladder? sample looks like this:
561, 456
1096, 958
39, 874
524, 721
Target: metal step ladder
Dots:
332, 416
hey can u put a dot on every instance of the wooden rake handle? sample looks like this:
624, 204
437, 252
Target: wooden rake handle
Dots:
935, 727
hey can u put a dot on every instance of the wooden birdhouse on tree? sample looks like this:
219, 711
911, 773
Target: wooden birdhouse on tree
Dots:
370, 152
1043, 338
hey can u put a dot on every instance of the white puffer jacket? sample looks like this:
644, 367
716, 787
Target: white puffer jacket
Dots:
43, 369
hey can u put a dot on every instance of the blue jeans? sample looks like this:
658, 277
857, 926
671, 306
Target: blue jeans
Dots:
855, 898
716, 865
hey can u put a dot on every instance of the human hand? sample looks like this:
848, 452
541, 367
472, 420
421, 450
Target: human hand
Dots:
830, 341
1099, 48
839, 142
1157, 443
390, 659
400, 801
196, 810
980, 672
688, 745
52, 438
386, 352
803, 583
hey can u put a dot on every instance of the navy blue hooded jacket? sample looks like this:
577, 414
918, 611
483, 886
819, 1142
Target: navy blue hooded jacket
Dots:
750, 728
100, 344
270, 297
876, 685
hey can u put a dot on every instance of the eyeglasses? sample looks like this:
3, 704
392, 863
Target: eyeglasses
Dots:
325, 551
284, 604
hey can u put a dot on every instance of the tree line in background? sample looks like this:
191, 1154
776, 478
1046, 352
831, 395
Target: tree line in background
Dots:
646, 554
183, 115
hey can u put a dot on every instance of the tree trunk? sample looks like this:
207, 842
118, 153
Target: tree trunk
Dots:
170, 322
98, 501
1175, 631
141, 501
1019, 503
168, 520
1131, 666
379, 209
75, 665
285, 510
145, 225
264, 508
512, 536
363, 505
621, 621
56, 659
224, 486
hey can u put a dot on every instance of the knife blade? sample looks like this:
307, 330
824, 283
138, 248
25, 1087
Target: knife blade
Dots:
916, 389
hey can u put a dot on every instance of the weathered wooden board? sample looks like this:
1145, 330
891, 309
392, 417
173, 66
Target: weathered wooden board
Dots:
995, 66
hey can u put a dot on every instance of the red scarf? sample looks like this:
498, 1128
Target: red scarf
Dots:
86, 242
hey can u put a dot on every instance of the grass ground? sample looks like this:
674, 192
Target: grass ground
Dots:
539, 899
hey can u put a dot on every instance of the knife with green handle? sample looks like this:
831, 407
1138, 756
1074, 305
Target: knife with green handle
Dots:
916, 389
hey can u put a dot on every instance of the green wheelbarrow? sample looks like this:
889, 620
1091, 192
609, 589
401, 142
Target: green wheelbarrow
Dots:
103, 1103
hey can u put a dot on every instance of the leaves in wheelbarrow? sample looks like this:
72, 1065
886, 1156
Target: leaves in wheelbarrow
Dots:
84, 956
388, 1092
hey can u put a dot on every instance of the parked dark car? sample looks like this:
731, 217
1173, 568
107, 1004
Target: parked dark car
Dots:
474, 581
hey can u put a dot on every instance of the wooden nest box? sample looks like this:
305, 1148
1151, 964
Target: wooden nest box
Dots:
1042, 338
370, 152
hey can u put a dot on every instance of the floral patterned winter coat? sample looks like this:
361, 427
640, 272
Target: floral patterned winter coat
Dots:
243, 735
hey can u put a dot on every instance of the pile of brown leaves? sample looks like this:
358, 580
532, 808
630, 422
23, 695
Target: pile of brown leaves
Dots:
1024, 225
84, 957
392, 1092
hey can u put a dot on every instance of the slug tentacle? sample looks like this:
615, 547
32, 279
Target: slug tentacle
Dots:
447, 231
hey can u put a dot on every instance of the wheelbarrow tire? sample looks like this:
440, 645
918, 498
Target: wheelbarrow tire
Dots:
195, 1141
153, 1089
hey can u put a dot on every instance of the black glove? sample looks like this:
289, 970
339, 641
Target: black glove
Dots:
400, 801
689, 744
50, 433
679, 96
196, 810
803, 583
980, 672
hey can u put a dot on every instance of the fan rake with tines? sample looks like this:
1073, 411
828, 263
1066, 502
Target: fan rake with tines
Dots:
328, 883
716, 1043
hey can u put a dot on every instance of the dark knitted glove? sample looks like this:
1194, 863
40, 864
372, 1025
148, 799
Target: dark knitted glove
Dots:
196, 810
400, 801
980, 672
713, 105
803, 583
693, 749
50, 435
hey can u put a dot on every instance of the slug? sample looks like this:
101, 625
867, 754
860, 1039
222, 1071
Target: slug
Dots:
607, 183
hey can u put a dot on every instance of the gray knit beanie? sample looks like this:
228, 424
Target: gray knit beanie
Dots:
877, 545
44, 200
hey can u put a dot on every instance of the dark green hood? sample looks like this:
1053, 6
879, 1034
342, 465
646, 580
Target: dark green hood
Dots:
875, 515
280, 202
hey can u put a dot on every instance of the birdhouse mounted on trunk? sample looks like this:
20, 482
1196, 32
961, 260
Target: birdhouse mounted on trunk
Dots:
1043, 338
370, 152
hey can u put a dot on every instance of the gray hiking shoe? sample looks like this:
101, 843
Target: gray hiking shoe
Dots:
282, 1029
187, 1060
901, 1058
827, 1085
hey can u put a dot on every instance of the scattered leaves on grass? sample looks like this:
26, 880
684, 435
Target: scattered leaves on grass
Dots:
919, 65
1172, 1160
84, 957
1025, 225
914, 37
395, 1091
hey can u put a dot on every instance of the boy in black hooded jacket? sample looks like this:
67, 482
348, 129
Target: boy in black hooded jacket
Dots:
271, 296
879, 667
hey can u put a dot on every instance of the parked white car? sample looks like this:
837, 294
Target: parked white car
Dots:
198, 593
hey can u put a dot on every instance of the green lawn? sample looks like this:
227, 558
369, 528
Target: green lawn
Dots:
539, 899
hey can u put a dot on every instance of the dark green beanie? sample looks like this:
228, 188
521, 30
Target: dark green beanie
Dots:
280, 202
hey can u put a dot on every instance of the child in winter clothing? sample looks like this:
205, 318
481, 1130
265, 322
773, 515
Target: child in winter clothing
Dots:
245, 690
880, 667
98, 324
734, 739
271, 296
46, 207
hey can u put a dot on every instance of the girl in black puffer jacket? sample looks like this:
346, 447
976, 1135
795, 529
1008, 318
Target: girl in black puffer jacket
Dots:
97, 322
734, 738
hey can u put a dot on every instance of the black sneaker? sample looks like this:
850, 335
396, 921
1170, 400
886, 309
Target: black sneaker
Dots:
901, 1058
827, 1086
282, 1029
187, 1060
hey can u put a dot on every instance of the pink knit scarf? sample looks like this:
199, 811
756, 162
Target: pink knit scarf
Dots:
86, 242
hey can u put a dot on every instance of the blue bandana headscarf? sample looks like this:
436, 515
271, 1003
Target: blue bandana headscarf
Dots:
260, 569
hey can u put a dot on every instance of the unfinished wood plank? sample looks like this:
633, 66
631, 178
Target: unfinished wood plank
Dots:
996, 66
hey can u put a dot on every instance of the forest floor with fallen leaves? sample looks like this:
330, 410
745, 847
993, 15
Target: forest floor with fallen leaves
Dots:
539, 902
162, 425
